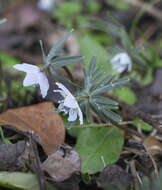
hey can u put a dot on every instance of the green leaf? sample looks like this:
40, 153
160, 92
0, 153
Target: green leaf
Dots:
90, 47
4, 140
125, 39
126, 95
67, 9
104, 100
144, 126
8, 61
112, 115
110, 86
119, 4
64, 61
21, 181
58, 45
93, 144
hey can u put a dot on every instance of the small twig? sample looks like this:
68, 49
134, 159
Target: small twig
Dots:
157, 116
134, 174
34, 157
134, 112
153, 161
147, 34
101, 124
110, 124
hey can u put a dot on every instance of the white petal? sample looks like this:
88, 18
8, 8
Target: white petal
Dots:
80, 115
61, 92
121, 62
28, 68
70, 102
61, 107
61, 86
130, 67
30, 79
72, 115
43, 82
120, 68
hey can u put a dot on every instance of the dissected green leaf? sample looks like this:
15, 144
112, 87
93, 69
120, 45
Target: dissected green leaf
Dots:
112, 115
112, 85
58, 45
64, 61
21, 181
104, 100
93, 144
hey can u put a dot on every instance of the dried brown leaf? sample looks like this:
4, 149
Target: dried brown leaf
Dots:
152, 145
62, 164
39, 119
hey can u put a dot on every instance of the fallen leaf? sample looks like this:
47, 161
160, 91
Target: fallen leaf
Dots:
47, 126
62, 164
10, 155
114, 174
152, 145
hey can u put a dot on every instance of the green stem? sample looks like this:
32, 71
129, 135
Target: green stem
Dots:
45, 66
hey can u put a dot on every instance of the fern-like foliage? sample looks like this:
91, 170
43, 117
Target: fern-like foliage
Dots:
94, 86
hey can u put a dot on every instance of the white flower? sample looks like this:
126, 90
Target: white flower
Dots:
46, 5
34, 76
69, 104
121, 62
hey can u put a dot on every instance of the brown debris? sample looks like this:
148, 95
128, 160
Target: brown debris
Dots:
62, 164
40, 120
11, 156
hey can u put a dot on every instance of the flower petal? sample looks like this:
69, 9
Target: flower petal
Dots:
28, 68
43, 82
61, 86
70, 102
130, 67
61, 92
72, 115
30, 79
121, 62
80, 115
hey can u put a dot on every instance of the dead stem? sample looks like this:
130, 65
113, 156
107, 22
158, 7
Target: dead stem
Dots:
134, 174
120, 125
134, 112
